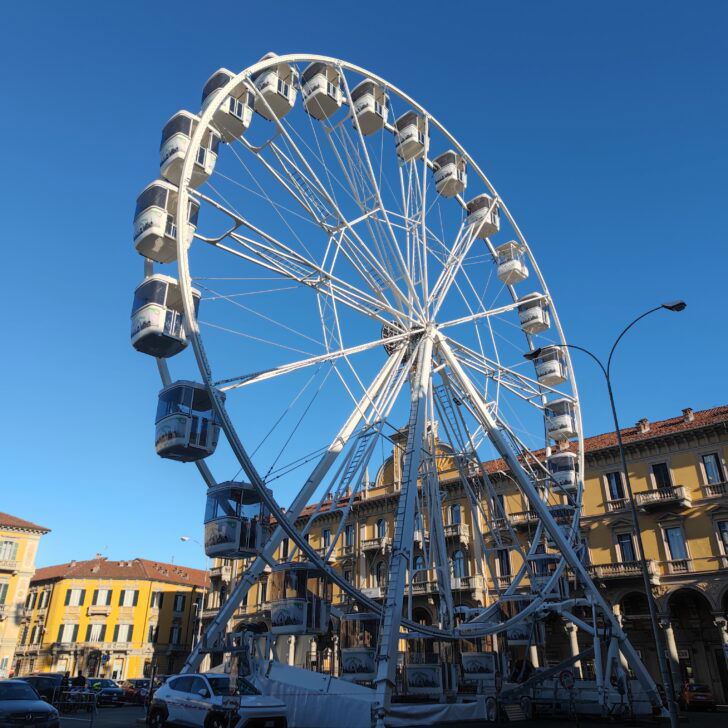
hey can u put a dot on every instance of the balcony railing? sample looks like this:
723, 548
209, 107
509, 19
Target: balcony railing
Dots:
504, 582
466, 583
678, 566
461, 531
523, 518
618, 504
9, 565
221, 572
423, 587
670, 495
623, 570
101, 609
373, 592
715, 490
375, 544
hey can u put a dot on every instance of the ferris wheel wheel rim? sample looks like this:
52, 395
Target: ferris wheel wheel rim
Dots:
195, 337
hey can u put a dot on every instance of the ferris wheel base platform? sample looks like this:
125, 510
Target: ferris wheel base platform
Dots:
321, 701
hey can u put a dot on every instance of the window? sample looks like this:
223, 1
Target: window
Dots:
381, 528
182, 684
420, 574
501, 507
128, 597
263, 592
625, 547
44, 599
179, 602
35, 635
661, 474
102, 597
198, 684
348, 575
455, 514
284, 549
153, 633
713, 469
123, 632
157, 599
326, 538
380, 576
175, 635
95, 632
615, 485
8, 550
723, 535
75, 597
67, 633
349, 535
676, 543
504, 562
3, 592
30, 599
457, 564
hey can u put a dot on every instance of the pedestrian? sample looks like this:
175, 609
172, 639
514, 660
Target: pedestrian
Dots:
79, 681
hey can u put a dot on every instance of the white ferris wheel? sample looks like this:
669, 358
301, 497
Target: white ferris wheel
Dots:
348, 276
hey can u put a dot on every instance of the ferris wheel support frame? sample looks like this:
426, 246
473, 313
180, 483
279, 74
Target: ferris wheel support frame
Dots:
384, 683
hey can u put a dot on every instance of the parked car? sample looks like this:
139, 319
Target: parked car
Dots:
208, 701
46, 684
107, 691
695, 696
136, 690
20, 705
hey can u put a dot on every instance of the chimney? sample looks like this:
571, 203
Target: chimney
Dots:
73, 563
643, 425
688, 415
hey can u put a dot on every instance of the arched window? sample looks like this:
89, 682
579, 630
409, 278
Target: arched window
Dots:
457, 564
381, 528
455, 513
419, 570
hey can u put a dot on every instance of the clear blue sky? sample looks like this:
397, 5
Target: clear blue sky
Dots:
602, 125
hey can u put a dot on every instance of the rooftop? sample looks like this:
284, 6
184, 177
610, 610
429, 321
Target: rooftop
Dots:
102, 568
14, 522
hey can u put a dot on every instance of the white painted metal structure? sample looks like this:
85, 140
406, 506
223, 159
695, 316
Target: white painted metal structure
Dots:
351, 239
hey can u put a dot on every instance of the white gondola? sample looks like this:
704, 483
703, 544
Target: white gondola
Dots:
300, 599
533, 313
277, 89
237, 522
321, 90
483, 215
176, 137
410, 140
560, 419
551, 368
371, 107
509, 258
186, 425
233, 116
157, 316
449, 174
563, 467
155, 229
359, 632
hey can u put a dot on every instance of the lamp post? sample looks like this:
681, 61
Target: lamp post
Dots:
665, 668
198, 609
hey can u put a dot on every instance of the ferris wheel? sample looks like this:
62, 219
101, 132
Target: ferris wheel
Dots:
348, 278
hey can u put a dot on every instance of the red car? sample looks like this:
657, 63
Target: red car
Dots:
695, 696
135, 690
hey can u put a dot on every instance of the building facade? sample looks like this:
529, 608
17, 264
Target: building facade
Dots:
110, 618
19, 541
678, 470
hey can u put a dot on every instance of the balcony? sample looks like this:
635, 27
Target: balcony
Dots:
221, 572
423, 587
9, 565
459, 531
373, 592
616, 505
521, 519
677, 566
715, 490
504, 582
376, 544
347, 550
673, 495
624, 570
466, 583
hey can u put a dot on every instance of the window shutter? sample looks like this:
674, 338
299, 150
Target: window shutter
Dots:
121, 597
60, 633
136, 597
88, 633
95, 599
102, 634
68, 597
83, 598
116, 633
108, 597
75, 633
161, 599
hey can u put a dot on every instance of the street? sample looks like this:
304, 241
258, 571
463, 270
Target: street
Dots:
105, 718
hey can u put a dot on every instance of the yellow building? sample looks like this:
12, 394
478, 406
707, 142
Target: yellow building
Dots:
678, 473
110, 618
18, 548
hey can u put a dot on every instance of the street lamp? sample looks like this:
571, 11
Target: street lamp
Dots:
198, 619
665, 667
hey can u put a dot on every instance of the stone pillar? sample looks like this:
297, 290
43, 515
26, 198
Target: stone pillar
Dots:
572, 631
336, 656
618, 614
721, 622
533, 655
674, 659
292, 650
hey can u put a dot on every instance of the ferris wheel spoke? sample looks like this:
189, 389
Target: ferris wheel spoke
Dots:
473, 317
